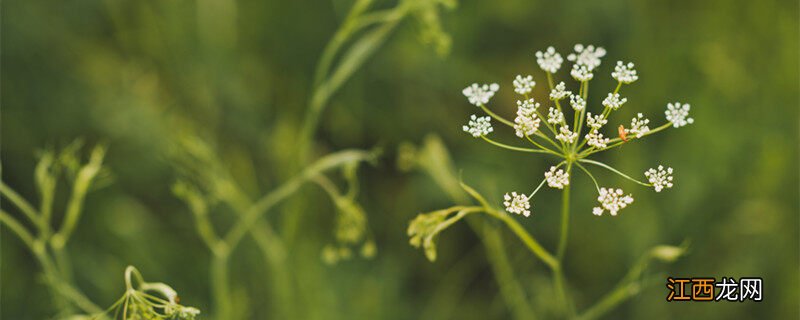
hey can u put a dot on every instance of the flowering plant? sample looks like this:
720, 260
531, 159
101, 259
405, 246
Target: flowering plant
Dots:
570, 138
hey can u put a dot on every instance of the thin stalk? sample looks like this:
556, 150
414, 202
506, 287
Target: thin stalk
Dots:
526, 238
21, 203
505, 146
220, 287
597, 186
558, 274
497, 117
539, 145
17, 228
260, 207
509, 287
600, 164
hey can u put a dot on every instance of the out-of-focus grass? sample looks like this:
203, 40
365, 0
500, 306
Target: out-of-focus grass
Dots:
134, 74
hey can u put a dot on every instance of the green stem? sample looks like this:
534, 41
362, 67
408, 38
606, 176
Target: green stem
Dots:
597, 186
248, 219
600, 164
526, 238
220, 287
505, 146
497, 117
509, 287
558, 274
17, 228
21, 203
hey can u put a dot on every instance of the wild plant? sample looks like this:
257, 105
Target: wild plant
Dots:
556, 136
207, 186
46, 235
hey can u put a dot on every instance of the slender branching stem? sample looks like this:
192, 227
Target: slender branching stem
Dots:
20, 203
597, 186
603, 165
505, 146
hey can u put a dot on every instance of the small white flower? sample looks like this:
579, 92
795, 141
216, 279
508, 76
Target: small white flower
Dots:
678, 114
526, 122
595, 139
614, 101
588, 56
517, 203
524, 85
480, 94
559, 92
595, 121
554, 116
478, 126
660, 178
612, 200
639, 126
527, 107
556, 179
550, 61
581, 73
624, 73
566, 135
577, 103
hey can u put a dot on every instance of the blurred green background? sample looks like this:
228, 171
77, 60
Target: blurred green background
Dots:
238, 74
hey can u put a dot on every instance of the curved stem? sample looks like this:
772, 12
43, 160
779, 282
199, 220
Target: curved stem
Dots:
248, 219
597, 186
537, 144
505, 146
618, 141
20, 202
497, 117
600, 164
17, 228
526, 238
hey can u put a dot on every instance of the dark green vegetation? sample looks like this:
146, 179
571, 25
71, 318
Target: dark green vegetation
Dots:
142, 76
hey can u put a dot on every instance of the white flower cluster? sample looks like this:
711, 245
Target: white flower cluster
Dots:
556, 178
614, 101
577, 103
625, 73
612, 200
678, 114
588, 56
478, 126
550, 61
639, 126
554, 116
595, 121
559, 92
524, 85
596, 139
480, 94
517, 203
581, 73
527, 122
565, 135
660, 178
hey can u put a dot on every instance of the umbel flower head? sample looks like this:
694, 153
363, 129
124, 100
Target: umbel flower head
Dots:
574, 133
549, 60
478, 126
556, 178
527, 121
678, 114
524, 85
480, 94
517, 203
660, 178
612, 200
